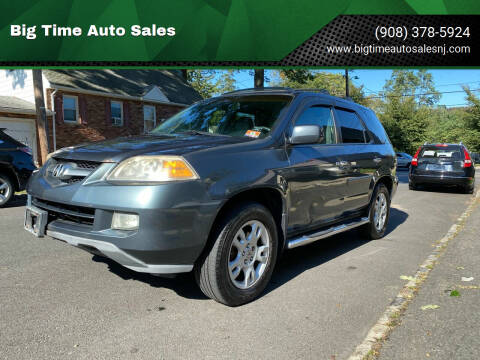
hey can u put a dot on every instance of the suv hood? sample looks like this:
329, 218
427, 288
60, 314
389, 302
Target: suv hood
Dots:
119, 149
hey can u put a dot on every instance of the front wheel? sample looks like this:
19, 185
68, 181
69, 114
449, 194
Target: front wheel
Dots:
379, 213
238, 265
6, 190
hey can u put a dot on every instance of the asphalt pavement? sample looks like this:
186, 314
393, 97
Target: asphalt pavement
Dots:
57, 301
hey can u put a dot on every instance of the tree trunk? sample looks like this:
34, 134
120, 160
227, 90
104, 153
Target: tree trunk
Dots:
347, 89
259, 78
41, 118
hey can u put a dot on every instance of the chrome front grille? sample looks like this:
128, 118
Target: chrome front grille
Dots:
66, 171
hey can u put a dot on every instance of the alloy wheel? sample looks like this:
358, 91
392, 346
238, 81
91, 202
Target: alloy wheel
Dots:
380, 214
4, 191
249, 254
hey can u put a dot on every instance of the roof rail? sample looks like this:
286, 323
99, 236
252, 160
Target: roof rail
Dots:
259, 89
323, 91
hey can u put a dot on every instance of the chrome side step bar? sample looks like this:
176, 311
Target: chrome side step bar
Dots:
307, 239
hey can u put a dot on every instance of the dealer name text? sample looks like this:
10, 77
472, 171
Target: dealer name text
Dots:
53, 30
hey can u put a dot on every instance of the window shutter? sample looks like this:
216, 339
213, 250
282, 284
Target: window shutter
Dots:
125, 113
59, 108
82, 104
108, 117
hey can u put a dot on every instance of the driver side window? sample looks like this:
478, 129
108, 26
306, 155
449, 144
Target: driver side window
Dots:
321, 116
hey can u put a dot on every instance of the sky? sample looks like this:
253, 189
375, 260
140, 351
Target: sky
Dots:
447, 81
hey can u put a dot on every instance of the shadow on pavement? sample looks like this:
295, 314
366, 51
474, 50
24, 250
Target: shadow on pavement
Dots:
397, 217
17, 201
183, 284
293, 263
442, 189
296, 261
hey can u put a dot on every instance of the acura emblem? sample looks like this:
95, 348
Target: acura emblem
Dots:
59, 171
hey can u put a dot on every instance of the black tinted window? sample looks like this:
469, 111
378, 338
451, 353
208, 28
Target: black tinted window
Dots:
375, 127
440, 151
321, 116
350, 126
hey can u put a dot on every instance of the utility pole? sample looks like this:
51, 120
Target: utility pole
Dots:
41, 116
347, 90
259, 78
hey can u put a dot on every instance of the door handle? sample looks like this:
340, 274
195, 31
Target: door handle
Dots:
377, 160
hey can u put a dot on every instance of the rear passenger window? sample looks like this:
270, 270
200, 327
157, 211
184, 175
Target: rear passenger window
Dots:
375, 127
350, 126
321, 116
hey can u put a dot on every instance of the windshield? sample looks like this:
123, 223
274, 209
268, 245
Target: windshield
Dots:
252, 116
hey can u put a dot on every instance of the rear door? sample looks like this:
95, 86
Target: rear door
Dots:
441, 160
316, 182
359, 158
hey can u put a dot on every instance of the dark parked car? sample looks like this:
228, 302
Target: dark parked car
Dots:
403, 160
222, 188
16, 165
442, 164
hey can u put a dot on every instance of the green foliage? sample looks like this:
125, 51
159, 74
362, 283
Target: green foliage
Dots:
209, 83
407, 108
333, 83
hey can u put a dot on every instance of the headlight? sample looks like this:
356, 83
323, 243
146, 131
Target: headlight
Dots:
152, 169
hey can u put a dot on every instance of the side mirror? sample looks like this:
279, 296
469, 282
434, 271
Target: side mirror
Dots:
306, 134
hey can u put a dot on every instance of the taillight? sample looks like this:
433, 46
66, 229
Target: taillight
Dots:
414, 161
468, 160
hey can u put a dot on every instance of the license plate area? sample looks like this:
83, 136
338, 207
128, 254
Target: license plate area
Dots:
35, 220
437, 167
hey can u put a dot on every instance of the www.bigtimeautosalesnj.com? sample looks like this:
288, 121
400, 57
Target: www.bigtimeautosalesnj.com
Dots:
53, 30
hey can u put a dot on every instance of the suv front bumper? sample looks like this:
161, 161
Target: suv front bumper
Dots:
174, 221
113, 252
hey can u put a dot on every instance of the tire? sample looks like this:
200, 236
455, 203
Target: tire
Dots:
468, 189
6, 190
412, 186
376, 227
231, 284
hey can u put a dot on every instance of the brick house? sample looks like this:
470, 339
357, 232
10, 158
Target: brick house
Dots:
93, 105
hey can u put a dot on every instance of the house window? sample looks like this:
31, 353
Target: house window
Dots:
149, 118
116, 111
70, 109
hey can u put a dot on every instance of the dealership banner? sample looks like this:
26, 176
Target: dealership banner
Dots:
240, 33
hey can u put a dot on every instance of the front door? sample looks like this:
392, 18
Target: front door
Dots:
316, 182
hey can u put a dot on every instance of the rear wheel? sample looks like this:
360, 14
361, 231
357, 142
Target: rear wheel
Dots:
468, 189
379, 213
238, 265
6, 190
412, 186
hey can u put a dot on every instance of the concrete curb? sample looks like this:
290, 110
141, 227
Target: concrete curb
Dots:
370, 346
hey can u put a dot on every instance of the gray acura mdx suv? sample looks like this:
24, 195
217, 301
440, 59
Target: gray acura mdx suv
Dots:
222, 188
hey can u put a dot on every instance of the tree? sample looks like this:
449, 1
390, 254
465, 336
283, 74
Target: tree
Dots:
259, 78
406, 111
301, 76
209, 83
41, 116
472, 122
333, 83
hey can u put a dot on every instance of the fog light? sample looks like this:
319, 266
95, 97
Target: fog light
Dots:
124, 221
